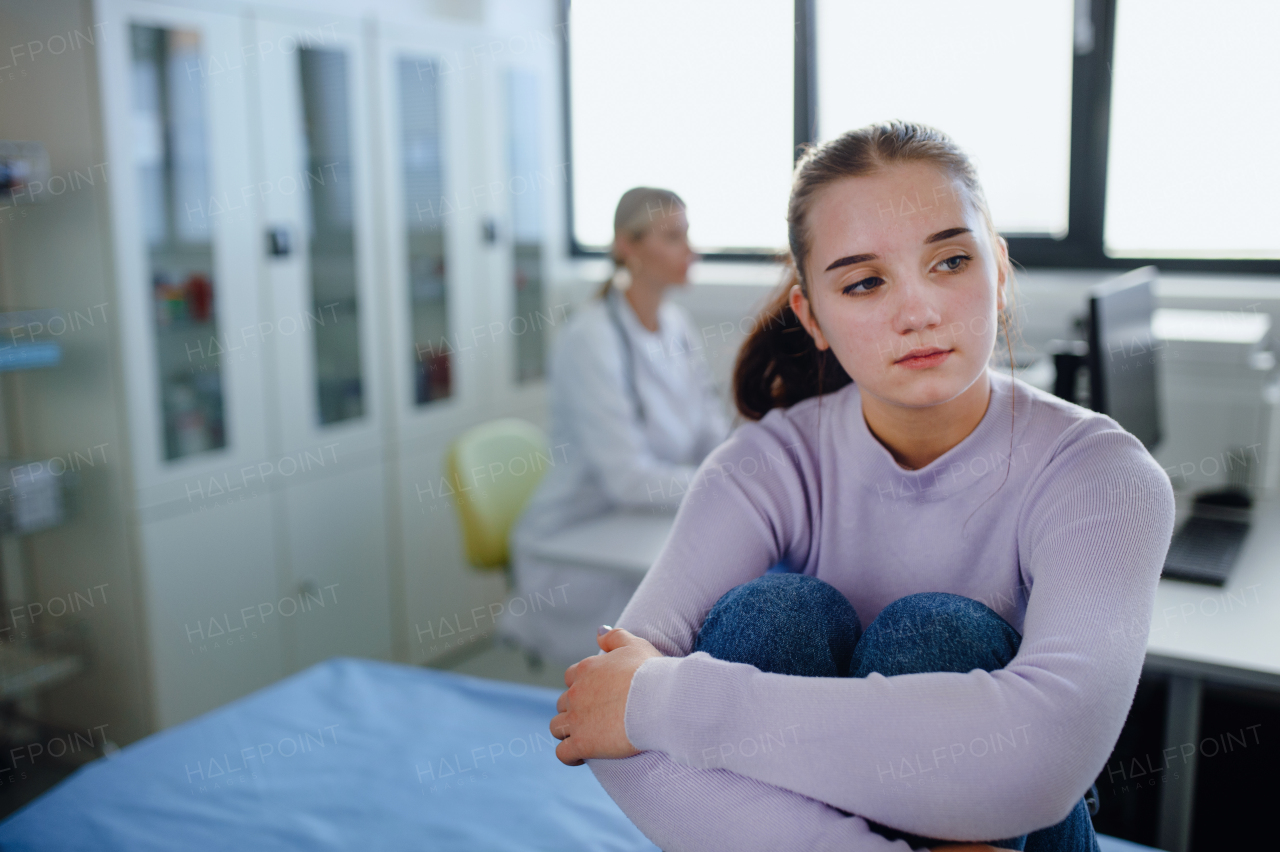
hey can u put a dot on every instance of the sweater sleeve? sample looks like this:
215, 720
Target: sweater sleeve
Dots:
928, 753
590, 374
682, 809
704, 808
698, 806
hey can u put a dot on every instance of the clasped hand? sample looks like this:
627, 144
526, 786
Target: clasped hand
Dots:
591, 714
590, 718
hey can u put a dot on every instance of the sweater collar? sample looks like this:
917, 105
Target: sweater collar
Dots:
983, 452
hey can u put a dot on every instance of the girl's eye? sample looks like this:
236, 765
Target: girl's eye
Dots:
956, 263
866, 285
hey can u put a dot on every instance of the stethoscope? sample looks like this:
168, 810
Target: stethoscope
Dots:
628, 356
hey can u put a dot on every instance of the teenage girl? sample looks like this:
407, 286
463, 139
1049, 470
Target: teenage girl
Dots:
974, 560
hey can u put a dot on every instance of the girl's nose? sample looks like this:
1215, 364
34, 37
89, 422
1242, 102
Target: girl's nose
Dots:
916, 311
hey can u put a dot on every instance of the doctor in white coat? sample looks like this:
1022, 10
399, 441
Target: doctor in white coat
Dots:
633, 413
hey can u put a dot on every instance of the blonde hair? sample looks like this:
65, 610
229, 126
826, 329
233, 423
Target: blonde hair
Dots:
634, 216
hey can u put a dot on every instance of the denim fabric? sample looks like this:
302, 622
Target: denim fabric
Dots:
794, 624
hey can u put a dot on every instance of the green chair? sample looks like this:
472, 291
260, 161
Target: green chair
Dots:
494, 468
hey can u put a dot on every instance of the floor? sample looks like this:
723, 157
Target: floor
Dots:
20, 786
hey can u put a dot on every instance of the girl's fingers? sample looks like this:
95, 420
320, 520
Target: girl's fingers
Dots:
566, 754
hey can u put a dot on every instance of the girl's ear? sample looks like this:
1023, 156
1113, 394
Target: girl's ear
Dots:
800, 307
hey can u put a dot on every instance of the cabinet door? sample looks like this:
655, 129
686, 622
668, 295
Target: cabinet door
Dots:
315, 191
436, 203
447, 349
320, 311
186, 234
174, 94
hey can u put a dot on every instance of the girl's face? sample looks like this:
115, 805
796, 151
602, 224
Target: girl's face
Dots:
904, 283
662, 255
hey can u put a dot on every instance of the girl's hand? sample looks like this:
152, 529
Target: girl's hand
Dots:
591, 717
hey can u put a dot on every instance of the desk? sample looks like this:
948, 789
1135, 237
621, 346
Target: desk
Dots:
623, 542
1229, 635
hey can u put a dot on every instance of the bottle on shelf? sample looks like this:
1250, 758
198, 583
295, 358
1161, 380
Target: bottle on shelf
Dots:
198, 296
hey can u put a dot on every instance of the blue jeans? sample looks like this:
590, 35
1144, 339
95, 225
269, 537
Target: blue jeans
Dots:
798, 625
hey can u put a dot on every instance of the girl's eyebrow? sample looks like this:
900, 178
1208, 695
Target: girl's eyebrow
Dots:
945, 235
851, 259
932, 238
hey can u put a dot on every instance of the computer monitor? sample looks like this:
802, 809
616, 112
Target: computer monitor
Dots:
1123, 353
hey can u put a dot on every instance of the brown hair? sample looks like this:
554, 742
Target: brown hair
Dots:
779, 363
637, 208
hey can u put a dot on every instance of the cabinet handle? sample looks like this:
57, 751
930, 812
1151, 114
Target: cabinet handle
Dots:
278, 243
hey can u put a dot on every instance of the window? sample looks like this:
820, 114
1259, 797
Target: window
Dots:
953, 72
1106, 133
694, 97
1195, 114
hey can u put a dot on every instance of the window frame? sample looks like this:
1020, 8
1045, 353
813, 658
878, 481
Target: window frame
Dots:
1081, 248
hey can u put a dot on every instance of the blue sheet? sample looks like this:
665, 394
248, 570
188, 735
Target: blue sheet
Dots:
347, 755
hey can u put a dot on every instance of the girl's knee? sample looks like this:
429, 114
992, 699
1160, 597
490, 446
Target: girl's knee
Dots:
776, 622
784, 595
936, 631
933, 605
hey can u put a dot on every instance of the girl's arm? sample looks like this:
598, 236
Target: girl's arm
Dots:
682, 809
975, 755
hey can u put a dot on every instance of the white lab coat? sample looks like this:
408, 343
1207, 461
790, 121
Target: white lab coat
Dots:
606, 459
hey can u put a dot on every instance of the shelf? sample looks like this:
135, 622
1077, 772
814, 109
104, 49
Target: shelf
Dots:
24, 669
29, 356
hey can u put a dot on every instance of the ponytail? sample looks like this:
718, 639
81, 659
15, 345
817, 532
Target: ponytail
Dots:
779, 364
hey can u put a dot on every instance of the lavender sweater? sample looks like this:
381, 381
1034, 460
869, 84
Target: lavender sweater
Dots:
1068, 549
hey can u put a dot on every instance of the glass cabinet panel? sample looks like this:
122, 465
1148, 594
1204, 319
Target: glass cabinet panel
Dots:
425, 212
170, 150
330, 233
524, 184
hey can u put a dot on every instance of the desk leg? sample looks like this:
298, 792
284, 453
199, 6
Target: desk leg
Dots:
1177, 796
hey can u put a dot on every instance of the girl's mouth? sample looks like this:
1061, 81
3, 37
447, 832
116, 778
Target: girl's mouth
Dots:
921, 359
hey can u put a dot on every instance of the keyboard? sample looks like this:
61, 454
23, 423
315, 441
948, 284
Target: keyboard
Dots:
1205, 549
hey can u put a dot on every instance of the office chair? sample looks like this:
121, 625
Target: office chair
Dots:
494, 468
